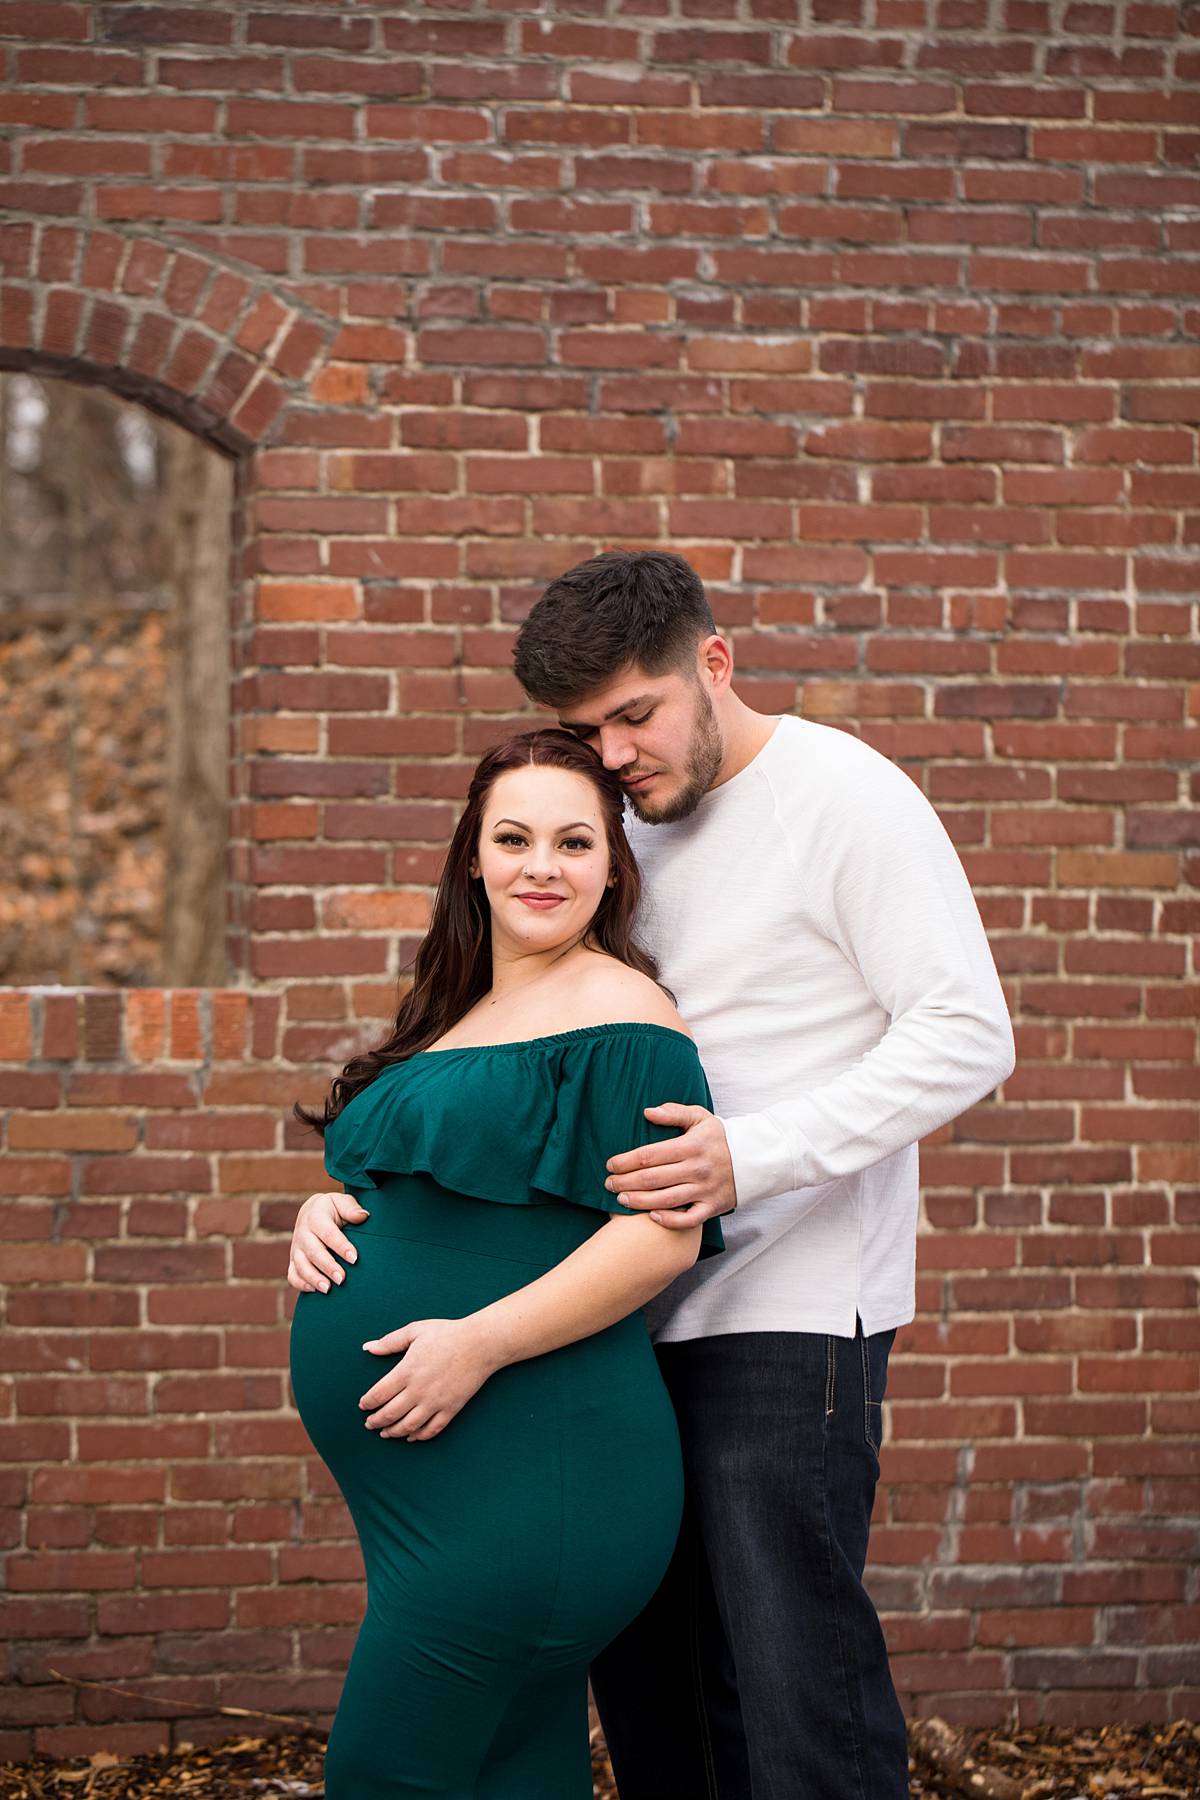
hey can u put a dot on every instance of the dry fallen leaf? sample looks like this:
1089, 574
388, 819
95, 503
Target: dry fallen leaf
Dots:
1050, 1763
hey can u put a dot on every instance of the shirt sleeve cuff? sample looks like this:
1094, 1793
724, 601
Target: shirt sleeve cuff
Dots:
761, 1157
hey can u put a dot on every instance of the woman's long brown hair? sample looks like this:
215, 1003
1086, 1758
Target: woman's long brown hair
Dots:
453, 965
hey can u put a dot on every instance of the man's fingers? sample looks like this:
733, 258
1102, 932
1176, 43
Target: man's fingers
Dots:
685, 1181
655, 1178
666, 1155
678, 1214
668, 1198
674, 1112
681, 1217
671, 1112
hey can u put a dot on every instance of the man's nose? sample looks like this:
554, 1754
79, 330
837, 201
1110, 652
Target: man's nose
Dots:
616, 751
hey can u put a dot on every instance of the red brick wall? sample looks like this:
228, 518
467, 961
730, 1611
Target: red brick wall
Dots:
886, 319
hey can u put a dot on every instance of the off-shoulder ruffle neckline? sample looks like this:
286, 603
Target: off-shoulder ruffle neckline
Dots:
542, 1119
557, 1037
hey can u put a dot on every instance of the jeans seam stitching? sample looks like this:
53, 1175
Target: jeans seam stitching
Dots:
710, 1774
837, 1625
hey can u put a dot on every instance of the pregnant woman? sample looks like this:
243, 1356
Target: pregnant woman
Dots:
515, 1476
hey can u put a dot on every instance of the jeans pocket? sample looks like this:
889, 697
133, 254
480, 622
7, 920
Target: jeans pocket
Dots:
875, 1349
872, 1408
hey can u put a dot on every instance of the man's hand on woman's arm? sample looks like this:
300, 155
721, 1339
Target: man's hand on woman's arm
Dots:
318, 1240
686, 1179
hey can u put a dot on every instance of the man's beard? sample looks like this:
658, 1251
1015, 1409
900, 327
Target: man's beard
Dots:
705, 753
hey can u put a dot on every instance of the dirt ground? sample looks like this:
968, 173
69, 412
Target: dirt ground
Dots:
1109, 1763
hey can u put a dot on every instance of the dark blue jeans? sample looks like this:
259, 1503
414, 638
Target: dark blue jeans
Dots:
759, 1669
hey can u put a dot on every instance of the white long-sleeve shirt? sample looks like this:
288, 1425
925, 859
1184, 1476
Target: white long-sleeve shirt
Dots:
819, 933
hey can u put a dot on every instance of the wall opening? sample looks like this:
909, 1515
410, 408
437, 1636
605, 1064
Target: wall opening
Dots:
115, 527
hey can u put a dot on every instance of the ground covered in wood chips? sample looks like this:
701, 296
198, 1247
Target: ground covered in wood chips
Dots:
1107, 1763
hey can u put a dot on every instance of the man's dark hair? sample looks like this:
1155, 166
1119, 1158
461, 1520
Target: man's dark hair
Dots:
624, 606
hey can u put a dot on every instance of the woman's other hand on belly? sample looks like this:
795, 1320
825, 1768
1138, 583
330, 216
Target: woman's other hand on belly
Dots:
318, 1240
443, 1362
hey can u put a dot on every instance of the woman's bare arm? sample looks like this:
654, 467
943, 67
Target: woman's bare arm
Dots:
611, 1274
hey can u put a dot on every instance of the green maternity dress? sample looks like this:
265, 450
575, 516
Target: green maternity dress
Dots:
504, 1553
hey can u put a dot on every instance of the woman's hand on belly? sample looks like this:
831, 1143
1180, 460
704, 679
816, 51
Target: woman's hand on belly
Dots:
316, 1235
443, 1362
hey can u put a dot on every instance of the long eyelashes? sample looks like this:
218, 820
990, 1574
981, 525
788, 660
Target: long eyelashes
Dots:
514, 837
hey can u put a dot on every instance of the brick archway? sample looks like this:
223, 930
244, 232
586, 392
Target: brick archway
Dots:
220, 350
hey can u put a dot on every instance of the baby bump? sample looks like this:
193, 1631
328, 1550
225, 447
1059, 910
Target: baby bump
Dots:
394, 1281
557, 1487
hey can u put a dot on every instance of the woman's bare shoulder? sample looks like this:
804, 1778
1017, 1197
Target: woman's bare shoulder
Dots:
608, 992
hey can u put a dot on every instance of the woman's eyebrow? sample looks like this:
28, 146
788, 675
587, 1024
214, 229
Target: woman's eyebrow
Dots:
570, 827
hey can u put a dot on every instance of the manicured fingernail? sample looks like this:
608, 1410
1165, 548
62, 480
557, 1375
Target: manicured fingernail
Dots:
611, 1185
657, 1217
352, 1256
324, 1287
370, 1344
